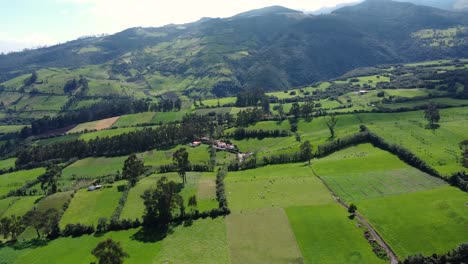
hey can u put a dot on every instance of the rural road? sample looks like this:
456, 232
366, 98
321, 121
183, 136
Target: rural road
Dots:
393, 257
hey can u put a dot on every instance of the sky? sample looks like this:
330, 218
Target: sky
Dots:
34, 23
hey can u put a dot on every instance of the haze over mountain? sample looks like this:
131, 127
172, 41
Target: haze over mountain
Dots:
273, 47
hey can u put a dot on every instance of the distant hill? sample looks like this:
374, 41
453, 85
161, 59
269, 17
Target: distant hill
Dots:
274, 48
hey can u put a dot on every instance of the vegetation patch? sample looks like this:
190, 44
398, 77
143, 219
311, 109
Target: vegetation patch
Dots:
275, 186
272, 241
94, 125
134, 119
411, 222
15, 180
326, 235
87, 207
364, 172
20, 206
92, 168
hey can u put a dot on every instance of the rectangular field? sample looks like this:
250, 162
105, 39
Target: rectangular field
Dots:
261, 236
19, 205
427, 222
275, 186
87, 207
325, 234
134, 119
15, 180
364, 172
7, 163
95, 125
91, 168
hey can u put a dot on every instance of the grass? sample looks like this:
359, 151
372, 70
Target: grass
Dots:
134, 119
91, 168
220, 101
326, 235
10, 129
427, 222
183, 245
364, 172
275, 186
206, 192
20, 206
87, 207
262, 236
15, 180
198, 155
7, 163
186, 244
109, 132
56, 201
165, 117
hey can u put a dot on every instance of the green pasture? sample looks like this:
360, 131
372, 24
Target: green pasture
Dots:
364, 172
219, 101
15, 180
181, 245
427, 222
166, 117
91, 168
109, 132
134, 119
325, 234
261, 236
7, 163
94, 125
275, 186
87, 207
18, 205
10, 129
198, 155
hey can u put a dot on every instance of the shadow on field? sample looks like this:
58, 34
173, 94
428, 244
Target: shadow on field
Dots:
29, 244
151, 235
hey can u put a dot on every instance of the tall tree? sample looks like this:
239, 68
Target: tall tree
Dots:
331, 121
5, 226
181, 161
36, 219
432, 114
109, 252
306, 151
50, 178
133, 167
160, 203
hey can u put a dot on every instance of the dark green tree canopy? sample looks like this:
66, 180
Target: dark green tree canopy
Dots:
181, 161
109, 252
133, 167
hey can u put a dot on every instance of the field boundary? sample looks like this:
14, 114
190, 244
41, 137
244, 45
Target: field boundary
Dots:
390, 253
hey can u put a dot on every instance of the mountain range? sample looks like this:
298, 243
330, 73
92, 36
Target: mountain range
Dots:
273, 48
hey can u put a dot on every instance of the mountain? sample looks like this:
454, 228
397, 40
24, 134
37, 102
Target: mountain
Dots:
442, 4
273, 48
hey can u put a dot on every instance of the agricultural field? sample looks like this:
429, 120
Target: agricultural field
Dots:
251, 242
198, 155
15, 180
326, 235
18, 206
7, 163
427, 222
10, 129
94, 125
134, 119
92, 168
275, 186
87, 207
364, 172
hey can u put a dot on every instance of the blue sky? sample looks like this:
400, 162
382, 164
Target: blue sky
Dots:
32, 23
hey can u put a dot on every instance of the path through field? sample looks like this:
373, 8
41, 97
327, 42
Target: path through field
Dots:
393, 257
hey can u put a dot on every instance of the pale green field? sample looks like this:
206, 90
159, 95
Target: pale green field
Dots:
182, 245
220, 101
7, 163
91, 168
15, 180
134, 119
364, 172
261, 236
10, 129
87, 207
198, 155
427, 222
275, 186
326, 235
19, 205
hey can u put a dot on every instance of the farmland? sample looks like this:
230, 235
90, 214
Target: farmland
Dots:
290, 212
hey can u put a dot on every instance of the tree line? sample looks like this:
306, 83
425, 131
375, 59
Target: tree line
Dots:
165, 136
242, 133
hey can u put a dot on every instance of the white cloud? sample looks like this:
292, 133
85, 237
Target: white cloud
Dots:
10, 43
130, 13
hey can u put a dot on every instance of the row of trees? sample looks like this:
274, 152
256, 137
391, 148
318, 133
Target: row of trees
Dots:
242, 133
167, 105
456, 256
162, 137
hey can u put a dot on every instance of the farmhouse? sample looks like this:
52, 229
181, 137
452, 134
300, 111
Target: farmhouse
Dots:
94, 187
195, 144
